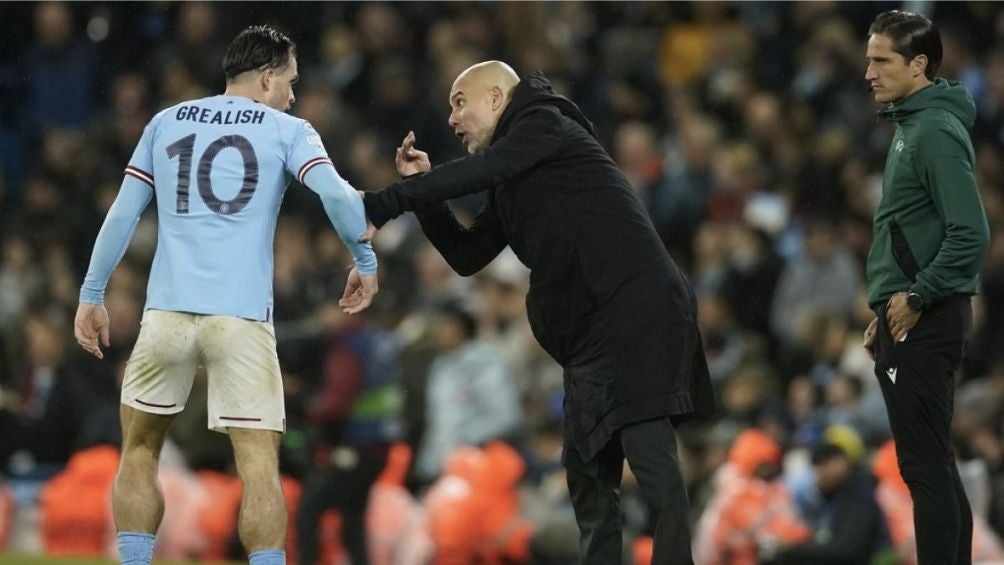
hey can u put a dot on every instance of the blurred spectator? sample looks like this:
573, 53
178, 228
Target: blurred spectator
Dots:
76, 513
60, 74
392, 514
121, 125
990, 114
20, 279
752, 511
750, 395
51, 398
355, 413
805, 411
684, 202
849, 528
724, 343
825, 280
471, 398
12, 165
472, 510
196, 47
751, 280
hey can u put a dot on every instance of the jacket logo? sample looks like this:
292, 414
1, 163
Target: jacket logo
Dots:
899, 146
891, 373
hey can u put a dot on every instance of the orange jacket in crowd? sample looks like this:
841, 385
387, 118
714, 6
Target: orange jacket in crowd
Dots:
76, 504
894, 499
392, 512
472, 511
6, 514
747, 511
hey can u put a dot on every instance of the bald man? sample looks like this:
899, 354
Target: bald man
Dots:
606, 300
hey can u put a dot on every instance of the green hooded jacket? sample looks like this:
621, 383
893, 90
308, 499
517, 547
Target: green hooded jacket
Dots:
930, 221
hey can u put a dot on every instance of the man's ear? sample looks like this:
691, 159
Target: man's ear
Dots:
498, 97
918, 65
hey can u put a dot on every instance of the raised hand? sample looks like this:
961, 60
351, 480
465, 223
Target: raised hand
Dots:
409, 160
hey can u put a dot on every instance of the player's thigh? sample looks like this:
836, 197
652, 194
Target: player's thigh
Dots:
245, 384
161, 369
143, 429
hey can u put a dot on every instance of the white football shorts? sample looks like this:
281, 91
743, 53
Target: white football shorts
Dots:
245, 384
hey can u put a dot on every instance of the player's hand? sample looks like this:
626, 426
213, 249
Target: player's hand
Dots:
90, 323
869, 341
359, 292
900, 317
409, 160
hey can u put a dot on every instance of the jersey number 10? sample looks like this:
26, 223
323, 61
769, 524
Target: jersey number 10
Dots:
184, 148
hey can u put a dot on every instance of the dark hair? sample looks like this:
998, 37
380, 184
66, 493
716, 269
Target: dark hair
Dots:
912, 34
456, 312
257, 48
827, 451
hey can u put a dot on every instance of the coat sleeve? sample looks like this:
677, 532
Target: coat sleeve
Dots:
946, 168
466, 250
533, 138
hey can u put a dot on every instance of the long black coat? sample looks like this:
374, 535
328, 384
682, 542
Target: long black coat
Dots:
606, 300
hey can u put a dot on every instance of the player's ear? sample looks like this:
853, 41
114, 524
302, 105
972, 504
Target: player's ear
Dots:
265, 79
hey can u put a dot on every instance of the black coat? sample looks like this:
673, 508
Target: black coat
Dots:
606, 300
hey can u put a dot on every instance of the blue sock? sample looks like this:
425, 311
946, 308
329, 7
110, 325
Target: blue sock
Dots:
135, 548
268, 557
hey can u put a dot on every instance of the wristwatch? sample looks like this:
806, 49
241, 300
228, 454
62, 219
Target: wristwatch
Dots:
915, 302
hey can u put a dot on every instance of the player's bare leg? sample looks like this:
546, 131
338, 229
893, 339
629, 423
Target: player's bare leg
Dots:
137, 501
262, 522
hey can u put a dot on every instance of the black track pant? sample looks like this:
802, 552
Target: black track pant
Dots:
917, 377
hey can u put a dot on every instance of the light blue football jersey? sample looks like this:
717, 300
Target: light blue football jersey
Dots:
219, 167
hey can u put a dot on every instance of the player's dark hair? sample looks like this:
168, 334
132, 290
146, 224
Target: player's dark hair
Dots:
912, 34
257, 48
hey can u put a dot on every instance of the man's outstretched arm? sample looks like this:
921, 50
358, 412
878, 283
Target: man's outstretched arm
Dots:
532, 139
466, 250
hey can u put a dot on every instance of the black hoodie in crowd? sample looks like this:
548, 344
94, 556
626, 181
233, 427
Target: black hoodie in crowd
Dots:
606, 300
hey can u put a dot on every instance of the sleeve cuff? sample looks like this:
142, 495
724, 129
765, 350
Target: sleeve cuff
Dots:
92, 296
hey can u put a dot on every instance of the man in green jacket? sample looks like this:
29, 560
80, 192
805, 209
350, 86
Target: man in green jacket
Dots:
930, 237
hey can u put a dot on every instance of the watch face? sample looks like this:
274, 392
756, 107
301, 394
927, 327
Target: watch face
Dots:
914, 301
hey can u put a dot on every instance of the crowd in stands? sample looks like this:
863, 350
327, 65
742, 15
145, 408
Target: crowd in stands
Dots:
745, 128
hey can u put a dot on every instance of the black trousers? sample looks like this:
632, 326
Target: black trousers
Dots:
345, 489
650, 450
917, 377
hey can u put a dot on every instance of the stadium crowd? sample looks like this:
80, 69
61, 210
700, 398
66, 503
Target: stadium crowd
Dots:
745, 128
